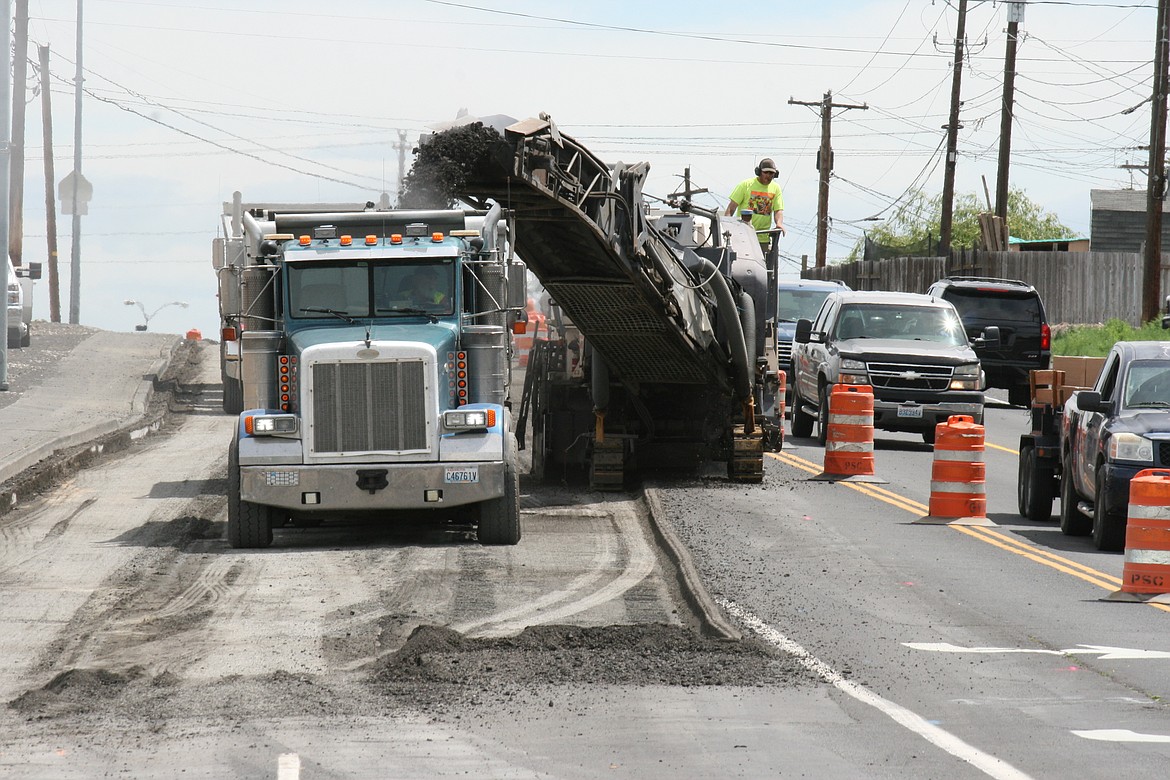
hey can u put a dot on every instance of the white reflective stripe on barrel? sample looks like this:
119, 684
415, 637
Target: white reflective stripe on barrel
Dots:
851, 419
849, 446
967, 488
970, 456
1147, 512
1156, 557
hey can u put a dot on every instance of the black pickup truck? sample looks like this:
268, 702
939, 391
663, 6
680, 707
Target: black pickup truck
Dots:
1089, 449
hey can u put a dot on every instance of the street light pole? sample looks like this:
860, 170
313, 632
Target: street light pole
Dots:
146, 318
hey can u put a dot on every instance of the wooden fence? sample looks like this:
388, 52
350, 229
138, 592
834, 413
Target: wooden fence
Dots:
1076, 287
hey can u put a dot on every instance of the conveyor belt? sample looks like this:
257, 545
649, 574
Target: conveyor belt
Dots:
574, 230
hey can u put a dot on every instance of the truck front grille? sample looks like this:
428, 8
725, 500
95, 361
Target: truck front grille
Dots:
784, 352
369, 406
908, 376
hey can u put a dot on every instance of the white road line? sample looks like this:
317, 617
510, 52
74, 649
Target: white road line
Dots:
288, 767
984, 762
1121, 735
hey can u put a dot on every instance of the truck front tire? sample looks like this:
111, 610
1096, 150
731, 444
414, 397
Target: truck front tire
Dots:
499, 518
1108, 523
802, 421
248, 525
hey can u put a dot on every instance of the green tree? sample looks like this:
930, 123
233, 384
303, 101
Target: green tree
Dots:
918, 219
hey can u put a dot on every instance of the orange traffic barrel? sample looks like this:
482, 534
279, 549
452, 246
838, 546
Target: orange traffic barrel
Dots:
782, 389
958, 477
849, 436
1145, 573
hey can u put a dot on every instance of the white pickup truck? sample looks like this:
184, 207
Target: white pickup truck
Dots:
910, 348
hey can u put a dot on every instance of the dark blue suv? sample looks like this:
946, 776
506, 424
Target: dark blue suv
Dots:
795, 300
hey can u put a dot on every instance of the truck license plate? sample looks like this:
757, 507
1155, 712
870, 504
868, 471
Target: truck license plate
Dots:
910, 411
461, 474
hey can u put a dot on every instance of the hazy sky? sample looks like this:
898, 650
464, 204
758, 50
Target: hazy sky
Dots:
189, 101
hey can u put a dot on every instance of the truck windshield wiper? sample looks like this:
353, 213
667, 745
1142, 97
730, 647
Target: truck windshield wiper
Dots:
407, 310
1150, 404
338, 314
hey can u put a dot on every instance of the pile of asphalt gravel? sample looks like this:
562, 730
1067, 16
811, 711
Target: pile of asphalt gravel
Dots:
444, 162
440, 666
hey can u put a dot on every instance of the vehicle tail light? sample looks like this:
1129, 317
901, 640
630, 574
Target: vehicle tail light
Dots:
1045, 336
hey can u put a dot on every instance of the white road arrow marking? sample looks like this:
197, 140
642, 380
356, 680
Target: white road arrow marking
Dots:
1121, 735
1106, 653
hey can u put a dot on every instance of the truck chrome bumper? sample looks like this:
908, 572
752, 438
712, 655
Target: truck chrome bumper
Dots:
336, 487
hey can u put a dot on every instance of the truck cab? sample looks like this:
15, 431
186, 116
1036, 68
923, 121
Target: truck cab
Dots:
372, 353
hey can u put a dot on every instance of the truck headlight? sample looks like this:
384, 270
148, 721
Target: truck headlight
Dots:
966, 377
853, 372
469, 419
270, 424
1130, 446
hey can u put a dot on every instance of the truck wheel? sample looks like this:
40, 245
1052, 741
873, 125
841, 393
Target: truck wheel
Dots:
233, 395
1034, 487
929, 435
823, 415
802, 421
26, 339
499, 518
1072, 522
249, 525
1108, 524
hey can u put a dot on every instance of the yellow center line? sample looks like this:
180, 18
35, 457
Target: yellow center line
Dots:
988, 536
988, 445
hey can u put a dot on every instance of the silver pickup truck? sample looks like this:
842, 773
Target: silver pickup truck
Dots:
910, 348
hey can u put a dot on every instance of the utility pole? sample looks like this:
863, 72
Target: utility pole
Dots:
1156, 174
16, 176
75, 259
825, 167
50, 177
5, 155
401, 148
952, 128
1007, 112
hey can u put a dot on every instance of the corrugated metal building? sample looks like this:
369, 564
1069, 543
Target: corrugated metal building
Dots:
1119, 220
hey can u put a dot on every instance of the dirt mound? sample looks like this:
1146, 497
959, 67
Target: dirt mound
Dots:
619, 655
74, 690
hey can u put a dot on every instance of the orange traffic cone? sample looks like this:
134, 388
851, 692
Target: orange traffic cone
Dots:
1145, 574
849, 436
958, 485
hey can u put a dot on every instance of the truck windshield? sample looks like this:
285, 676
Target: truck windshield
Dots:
370, 289
908, 323
1147, 384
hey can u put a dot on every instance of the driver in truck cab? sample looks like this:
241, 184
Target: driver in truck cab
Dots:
427, 290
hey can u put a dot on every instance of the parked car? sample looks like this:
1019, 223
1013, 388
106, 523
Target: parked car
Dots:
799, 299
19, 315
910, 348
1016, 309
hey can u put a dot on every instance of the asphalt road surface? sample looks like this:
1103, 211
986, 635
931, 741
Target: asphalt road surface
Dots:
873, 646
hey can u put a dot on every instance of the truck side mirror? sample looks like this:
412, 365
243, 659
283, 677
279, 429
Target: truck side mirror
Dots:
990, 338
1166, 314
803, 329
30, 271
1090, 401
